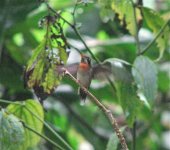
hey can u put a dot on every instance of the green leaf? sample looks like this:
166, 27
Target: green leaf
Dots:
155, 22
145, 75
22, 112
11, 132
132, 106
125, 10
113, 142
52, 80
120, 72
62, 54
36, 54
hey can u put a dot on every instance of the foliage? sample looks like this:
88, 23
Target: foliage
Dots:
122, 7
145, 75
155, 22
12, 133
113, 31
46, 57
24, 113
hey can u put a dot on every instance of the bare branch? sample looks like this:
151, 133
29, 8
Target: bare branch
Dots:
105, 110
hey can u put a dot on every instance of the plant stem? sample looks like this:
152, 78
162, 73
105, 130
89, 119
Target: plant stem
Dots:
134, 135
136, 28
156, 37
10, 102
50, 128
43, 136
105, 110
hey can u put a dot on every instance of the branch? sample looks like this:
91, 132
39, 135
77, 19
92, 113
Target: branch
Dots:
42, 136
156, 37
105, 110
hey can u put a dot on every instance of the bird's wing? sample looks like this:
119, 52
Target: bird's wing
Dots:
72, 68
101, 71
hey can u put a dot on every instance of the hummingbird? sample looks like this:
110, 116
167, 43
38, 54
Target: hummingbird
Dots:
84, 76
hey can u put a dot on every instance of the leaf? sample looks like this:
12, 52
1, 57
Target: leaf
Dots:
113, 142
132, 106
119, 70
37, 74
41, 73
11, 132
62, 54
21, 111
122, 7
155, 22
36, 54
52, 80
145, 75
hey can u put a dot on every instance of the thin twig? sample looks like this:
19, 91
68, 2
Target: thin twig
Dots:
11, 102
156, 37
134, 135
43, 136
106, 111
136, 28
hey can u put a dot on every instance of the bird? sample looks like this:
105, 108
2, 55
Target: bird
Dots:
84, 76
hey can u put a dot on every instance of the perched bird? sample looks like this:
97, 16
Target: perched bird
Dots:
84, 76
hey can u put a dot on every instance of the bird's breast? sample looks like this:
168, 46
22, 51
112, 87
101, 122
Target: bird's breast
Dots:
84, 76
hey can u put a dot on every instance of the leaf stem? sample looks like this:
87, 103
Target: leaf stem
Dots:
156, 37
43, 136
10, 102
105, 110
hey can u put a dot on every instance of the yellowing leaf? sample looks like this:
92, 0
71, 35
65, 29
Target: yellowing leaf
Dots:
63, 54
125, 10
155, 22
52, 80
37, 74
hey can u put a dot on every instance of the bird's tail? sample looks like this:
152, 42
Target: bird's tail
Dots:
82, 95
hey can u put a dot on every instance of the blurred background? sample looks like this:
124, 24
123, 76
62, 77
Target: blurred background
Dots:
85, 127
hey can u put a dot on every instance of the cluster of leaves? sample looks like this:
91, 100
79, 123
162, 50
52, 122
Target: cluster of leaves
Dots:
41, 72
13, 134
